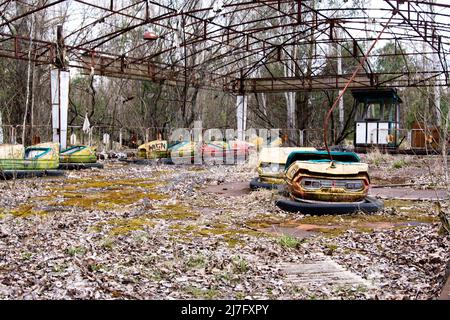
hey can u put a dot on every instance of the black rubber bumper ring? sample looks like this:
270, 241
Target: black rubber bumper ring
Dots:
370, 205
20, 174
79, 166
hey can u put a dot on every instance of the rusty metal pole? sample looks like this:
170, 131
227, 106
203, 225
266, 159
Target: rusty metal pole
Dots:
59, 84
358, 67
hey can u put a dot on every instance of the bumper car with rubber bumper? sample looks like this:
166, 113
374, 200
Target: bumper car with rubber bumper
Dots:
223, 152
16, 161
79, 157
318, 185
156, 149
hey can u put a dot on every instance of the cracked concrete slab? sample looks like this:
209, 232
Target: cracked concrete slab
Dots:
323, 270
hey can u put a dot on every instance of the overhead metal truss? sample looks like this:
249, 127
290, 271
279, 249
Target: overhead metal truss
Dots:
237, 46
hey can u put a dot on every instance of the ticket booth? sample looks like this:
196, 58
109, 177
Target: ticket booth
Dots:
377, 118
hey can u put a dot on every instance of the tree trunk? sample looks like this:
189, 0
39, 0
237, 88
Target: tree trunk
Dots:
91, 85
289, 71
1, 128
28, 91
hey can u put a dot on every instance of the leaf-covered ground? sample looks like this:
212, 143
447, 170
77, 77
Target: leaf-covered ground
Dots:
159, 232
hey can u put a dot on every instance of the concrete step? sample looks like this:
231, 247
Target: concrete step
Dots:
322, 271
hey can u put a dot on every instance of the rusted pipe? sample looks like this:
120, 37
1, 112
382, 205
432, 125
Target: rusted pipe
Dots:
358, 67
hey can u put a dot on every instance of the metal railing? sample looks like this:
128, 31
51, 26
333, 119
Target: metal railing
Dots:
107, 138
116, 138
410, 139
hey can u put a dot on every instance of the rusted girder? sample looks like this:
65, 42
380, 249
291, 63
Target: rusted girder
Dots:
286, 84
110, 66
44, 53
241, 43
333, 82
104, 64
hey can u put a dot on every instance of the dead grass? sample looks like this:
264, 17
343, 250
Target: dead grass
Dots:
377, 158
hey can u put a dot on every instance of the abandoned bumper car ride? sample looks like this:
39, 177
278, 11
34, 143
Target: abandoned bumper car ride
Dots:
186, 151
320, 185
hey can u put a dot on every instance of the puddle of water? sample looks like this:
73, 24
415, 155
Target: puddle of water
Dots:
234, 189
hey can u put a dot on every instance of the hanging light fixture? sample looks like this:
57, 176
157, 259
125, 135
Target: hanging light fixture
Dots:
150, 35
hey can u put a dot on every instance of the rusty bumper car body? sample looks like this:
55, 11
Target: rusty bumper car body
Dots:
16, 161
317, 184
153, 150
79, 157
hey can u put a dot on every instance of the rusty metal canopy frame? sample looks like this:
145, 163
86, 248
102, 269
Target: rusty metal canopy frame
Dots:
237, 46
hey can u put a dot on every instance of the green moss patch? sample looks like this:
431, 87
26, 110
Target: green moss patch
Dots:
107, 199
231, 235
263, 222
26, 210
176, 212
104, 183
104, 194
123, 226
